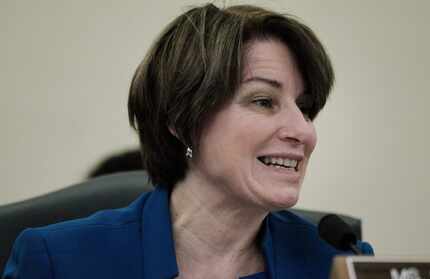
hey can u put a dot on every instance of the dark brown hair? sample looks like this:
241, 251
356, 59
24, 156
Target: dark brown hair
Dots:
195, 67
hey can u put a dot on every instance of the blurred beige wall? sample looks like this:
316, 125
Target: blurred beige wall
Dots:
66, 67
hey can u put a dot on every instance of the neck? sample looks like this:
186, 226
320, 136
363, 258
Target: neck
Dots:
210, 226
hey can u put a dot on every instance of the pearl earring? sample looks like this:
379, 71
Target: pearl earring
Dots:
189, 153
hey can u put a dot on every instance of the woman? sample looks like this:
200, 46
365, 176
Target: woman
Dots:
223, 104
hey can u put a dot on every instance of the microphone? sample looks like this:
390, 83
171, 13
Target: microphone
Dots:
335, 231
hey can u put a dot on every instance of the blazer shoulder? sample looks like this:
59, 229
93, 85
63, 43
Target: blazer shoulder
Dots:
97, 231
298, 247
286, 220
29, 257
104, 218
83, 242
287, 225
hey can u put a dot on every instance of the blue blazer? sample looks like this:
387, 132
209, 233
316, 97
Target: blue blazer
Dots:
136, 242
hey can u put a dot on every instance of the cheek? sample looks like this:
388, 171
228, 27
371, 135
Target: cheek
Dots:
221, 140
233, 129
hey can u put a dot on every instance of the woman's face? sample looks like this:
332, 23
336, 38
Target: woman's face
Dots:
257, 147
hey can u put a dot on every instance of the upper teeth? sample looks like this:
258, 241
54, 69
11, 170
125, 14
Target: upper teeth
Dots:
289, 163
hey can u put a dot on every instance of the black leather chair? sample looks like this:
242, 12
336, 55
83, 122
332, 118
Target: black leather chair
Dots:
83, 199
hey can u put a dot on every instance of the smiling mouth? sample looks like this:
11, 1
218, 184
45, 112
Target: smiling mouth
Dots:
277, 162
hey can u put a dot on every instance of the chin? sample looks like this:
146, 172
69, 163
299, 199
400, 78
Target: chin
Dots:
284, 200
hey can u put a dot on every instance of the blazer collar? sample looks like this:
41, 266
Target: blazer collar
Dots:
285, 259
283, 248
159, 259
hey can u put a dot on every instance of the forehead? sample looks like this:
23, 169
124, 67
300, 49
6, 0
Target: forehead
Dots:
271, 59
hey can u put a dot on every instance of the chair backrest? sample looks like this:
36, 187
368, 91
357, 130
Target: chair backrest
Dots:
76, 201
83, 199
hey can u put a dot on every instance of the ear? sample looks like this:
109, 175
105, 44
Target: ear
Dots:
173, 132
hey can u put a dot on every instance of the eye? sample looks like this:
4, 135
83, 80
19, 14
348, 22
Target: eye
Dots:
263, 102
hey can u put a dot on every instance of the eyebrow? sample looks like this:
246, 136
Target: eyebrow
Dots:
270, 82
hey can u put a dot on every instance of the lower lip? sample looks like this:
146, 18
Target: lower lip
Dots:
286, 173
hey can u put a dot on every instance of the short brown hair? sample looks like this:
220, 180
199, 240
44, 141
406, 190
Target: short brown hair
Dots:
195, 67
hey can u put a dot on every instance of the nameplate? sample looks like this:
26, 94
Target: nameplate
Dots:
368, 267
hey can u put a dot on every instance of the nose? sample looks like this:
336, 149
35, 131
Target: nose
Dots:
295, 127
